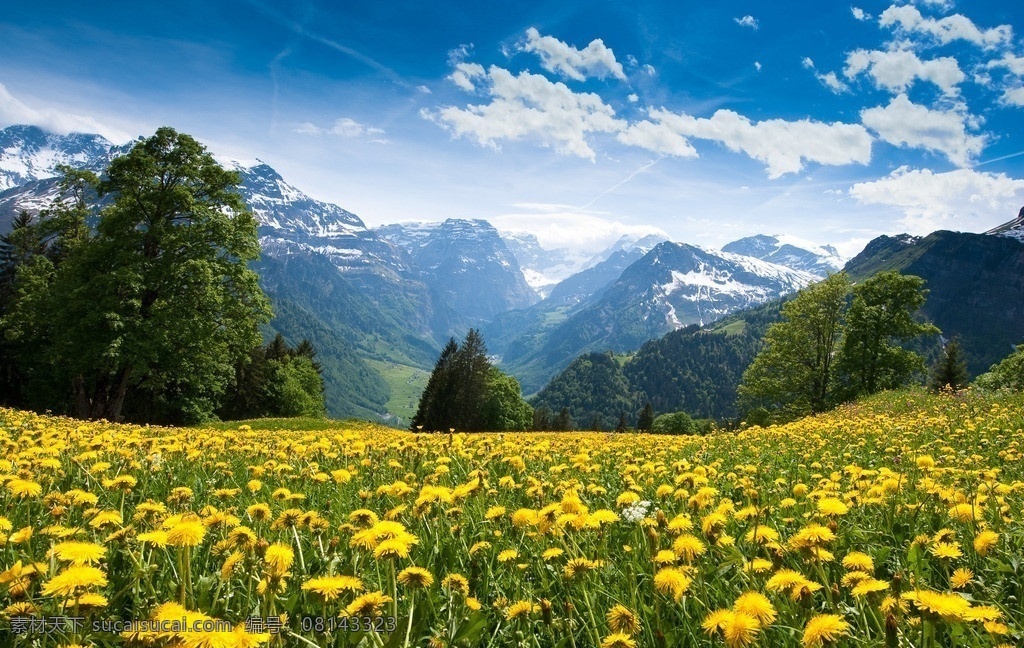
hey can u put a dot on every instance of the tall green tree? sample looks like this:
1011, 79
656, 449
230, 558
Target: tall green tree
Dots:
793, 372
466, 393
159, 302
880, 318
950, 371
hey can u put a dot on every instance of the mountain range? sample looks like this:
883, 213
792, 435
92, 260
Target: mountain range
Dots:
378, 303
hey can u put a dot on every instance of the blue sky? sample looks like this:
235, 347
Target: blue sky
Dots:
579, 121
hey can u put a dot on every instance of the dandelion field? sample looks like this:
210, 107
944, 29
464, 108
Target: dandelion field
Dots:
895, 521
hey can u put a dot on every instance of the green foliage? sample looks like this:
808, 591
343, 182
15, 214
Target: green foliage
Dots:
950, 372
692, 370
276, 380
1008, 373
504, 408
826, 352
877, 322
794, 371
594, 389
466, 393
146, 317
681, 423
645, 421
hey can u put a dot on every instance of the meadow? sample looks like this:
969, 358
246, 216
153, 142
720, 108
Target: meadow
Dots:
893, 521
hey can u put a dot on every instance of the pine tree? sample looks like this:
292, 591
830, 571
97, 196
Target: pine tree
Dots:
431, 410
646, 420
563, 421
950, 372
622, 425
542, 418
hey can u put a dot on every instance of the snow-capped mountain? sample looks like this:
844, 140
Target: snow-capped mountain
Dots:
672, 286
28, 153
546, 268
1012, 229
789, 251
466, 264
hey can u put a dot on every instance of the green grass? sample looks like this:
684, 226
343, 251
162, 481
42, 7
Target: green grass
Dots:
406, 384
732, 328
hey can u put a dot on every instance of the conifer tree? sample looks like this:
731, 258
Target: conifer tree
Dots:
950, 371
646, 419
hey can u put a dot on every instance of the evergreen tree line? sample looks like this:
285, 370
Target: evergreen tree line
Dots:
131, 297
466, 392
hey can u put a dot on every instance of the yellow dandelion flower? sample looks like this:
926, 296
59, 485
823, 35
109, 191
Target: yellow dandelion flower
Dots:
961, 578
859, 561
507, 555
673, 581
329, 588
368, 604
756, 605
824, 629
868, 586
278, 558
73, 580
78, 553
413, 577
688, 547
984, 541
391, 548
830, 506
618, 640
622, 620
520, 609
946, 550
189, 533
456, 583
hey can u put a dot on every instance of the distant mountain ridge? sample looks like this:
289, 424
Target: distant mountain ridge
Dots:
392, 295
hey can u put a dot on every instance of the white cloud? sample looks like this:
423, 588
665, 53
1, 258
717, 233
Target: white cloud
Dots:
15, 111
829, 80
783, 146
1014, 64
658, 137
559, 57
423, 89
904, 123
530, 106
560, 226
747, 21
860, 14
757, 65
945, 30
649, 69
344, 127
633, 97
896, 70
963, 199
1014, 97
464, 74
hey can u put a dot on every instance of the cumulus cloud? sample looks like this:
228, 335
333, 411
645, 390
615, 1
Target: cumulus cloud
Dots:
945, 30
904, 123
963, 199
344, 127
561, 226
747, 21
860, 14
529, 106
15, 111
896, 70
465, 73
783, 146
829, 80
1013, 97
559, 57
1014, 64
